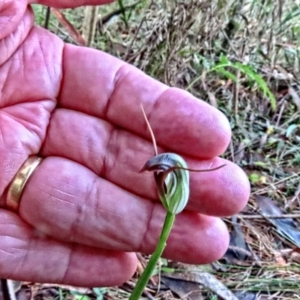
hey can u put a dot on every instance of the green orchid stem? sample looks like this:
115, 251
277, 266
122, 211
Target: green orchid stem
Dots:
142, 282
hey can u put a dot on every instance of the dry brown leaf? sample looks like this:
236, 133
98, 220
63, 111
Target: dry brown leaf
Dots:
76, 36
207, 280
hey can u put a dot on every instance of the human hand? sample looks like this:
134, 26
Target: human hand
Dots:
86, 209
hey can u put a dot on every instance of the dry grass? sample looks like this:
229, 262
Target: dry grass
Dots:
181, 43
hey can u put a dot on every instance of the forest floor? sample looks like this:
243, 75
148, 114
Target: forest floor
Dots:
243, 58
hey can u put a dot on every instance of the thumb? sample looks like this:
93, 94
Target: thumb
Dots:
69, 3
15, 23
11, 13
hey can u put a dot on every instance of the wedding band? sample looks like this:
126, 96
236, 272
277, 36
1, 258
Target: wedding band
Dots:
17, 185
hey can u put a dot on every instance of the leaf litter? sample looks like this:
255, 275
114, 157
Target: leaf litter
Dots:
243, 58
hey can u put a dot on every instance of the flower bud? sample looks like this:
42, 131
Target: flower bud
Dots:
172, 180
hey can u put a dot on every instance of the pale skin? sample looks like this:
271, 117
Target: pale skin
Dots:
86, 210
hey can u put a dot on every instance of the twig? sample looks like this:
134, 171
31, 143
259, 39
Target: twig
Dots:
294, 198
114, 13
72, 31
7, 291
284, 216
136, 33
47, 18
260, 191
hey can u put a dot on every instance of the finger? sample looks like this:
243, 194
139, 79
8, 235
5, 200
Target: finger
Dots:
118, 156
8, 24
35, 51
69, 3
22, 129
27, 255
106, 87
69, 202
27, 98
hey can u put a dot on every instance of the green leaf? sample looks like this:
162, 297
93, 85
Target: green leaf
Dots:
254, 177
227, 74
79, 296
249, 72
290, 129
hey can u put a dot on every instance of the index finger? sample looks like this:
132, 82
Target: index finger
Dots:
103, 86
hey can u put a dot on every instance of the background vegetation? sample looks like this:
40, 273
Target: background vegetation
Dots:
241, 56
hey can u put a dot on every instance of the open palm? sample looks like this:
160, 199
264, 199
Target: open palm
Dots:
86, 209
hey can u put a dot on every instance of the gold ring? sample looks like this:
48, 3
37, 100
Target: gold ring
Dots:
17, 185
